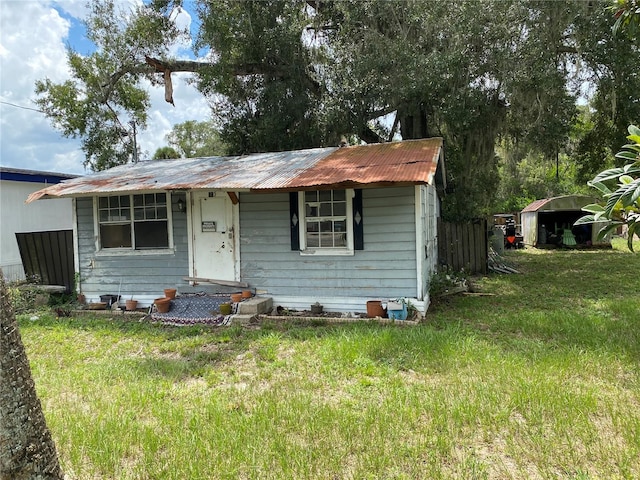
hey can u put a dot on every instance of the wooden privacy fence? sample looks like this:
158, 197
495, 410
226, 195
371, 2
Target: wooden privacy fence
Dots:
463, 245
48, 256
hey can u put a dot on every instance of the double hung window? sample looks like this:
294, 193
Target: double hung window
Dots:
326, 222
136, 222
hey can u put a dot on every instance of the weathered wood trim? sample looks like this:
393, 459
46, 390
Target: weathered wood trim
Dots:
234, 198
226, 283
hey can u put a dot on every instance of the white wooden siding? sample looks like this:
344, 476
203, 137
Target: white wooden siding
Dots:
386, 268
143, 276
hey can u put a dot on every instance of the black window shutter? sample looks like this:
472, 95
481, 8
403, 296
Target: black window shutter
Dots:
358, 231
294, 220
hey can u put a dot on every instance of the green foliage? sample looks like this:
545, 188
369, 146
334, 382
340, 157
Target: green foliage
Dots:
627, 14
526, 176
445, 280
22, 299
284, 74
196, 139
164, 153
620, 188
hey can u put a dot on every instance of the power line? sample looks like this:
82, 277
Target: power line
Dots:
21, 106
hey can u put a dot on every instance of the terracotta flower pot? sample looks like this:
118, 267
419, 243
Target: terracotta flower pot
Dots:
246, 294
162, 304
170, 292
374, 309
131, 304
236, 297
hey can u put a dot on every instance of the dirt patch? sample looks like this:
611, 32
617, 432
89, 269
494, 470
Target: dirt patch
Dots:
284, 312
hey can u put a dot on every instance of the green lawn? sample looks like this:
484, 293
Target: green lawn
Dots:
541, 380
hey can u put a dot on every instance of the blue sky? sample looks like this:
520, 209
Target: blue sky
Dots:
33, 39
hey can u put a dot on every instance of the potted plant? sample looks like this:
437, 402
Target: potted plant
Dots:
163, 304
131, 304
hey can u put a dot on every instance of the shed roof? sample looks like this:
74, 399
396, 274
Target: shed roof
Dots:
32, 176
558, 204
408, 162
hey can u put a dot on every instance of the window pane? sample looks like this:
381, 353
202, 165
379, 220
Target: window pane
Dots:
326, 235
161, 212
313, 240
103, 202
326, 227
325, 195
340, 226
339, 239
325, 209
138, 214
313, 236
151, 235
339, 195
313, 226
161, 198
149, 199
150, 213
124, 201
104, 215
339, 209
310, 196
137, 201
312, 210
115, 236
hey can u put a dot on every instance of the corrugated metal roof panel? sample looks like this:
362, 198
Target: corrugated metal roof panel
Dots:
410, 161
561, 203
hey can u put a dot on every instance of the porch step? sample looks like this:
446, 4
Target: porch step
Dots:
255, 306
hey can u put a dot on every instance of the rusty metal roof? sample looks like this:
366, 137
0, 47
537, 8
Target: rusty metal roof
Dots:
413, 161
558, 204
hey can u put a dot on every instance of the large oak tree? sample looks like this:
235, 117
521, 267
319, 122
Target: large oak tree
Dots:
288, 74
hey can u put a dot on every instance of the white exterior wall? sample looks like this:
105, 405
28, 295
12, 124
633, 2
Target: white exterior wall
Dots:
16, 216
394, 229
427, 213
530, 228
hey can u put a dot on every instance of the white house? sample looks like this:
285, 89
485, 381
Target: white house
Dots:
335, 225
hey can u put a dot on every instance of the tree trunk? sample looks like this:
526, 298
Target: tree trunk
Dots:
414, 122
27, 450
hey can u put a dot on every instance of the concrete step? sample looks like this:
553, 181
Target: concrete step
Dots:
255, 306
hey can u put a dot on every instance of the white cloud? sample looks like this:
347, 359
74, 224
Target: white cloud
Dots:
33, 37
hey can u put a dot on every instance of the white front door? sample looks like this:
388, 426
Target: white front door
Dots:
214, 242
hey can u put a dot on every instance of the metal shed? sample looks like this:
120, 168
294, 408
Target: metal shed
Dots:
549, 222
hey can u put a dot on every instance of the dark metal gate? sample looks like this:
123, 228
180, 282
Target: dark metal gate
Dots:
48, 256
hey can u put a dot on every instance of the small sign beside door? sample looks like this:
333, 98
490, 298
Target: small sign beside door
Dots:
209, 227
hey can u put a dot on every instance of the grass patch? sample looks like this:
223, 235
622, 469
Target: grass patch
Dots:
541, 380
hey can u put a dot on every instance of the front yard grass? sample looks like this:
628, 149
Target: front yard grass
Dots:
541, 380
